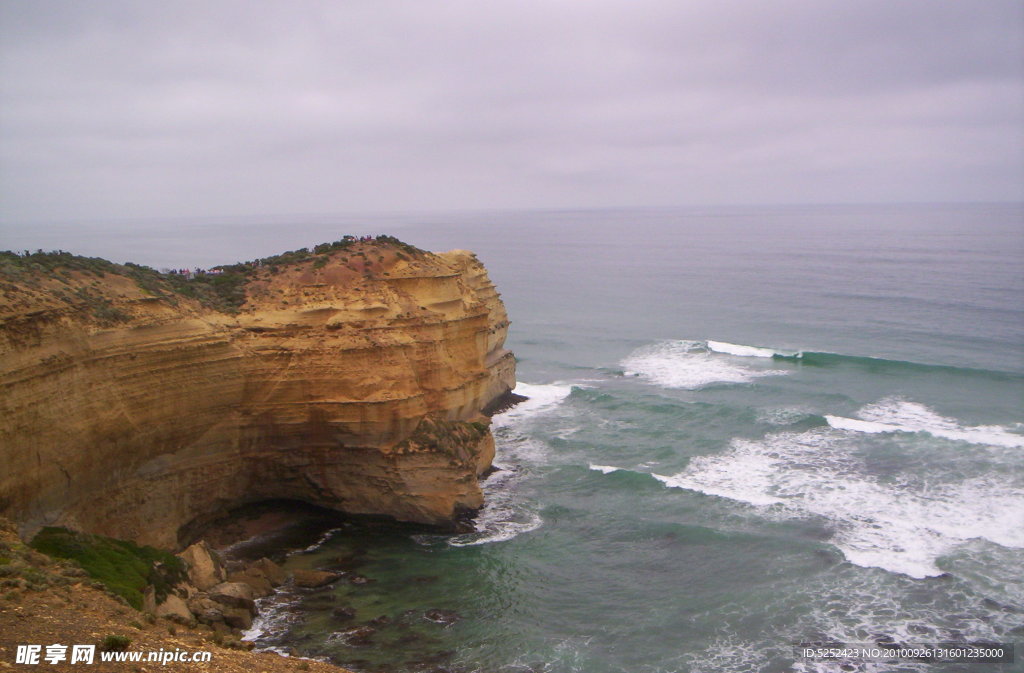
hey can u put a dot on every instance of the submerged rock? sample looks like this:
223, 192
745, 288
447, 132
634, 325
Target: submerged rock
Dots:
310, 579
343, 613
350, 562
446, 617
357, 636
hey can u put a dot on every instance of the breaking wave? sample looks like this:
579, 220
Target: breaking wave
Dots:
503, 517
801, 357
901, 523
689, 365
542, 397
898, 415
505, 514
746, 351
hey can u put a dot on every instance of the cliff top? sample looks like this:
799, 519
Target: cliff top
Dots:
35, 282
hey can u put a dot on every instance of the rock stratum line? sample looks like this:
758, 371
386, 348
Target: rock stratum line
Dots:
351, 379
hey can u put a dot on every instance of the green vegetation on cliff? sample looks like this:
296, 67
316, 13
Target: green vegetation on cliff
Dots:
223, 291
454, 438
123, 567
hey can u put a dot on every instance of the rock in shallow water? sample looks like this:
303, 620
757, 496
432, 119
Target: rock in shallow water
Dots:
357, 636
343, 613
310, 579
446, 617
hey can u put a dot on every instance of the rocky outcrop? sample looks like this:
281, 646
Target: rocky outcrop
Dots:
204, 566
53, 600
310, 579
351, 380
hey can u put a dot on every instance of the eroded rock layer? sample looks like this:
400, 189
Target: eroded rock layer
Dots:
351, 380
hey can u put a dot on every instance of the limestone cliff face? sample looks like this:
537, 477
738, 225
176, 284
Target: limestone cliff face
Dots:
352, 380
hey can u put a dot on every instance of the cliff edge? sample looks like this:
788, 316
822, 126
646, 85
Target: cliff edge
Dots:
143, 405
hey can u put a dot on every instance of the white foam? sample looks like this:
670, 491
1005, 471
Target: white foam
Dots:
504, 515
742, 351
894, 414
860, 607
542, 398
903, 526
604, 469
688, 365
728, 654
327, 535
275, 614
843, 423
501, 519
499, 529
746, 478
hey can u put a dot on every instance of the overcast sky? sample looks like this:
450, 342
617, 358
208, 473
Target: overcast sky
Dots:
243, 107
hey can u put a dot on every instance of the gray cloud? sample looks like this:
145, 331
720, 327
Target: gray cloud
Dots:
138, 109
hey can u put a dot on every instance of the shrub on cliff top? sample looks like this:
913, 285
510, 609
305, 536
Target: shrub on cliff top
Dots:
123, 567
224, 291
114, 643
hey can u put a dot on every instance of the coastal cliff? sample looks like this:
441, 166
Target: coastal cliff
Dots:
144, 406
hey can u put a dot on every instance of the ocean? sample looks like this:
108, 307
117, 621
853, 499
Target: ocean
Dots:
748, 428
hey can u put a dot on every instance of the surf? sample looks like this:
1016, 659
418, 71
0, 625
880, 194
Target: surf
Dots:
689, 365
901, 523
895, 414
814, 358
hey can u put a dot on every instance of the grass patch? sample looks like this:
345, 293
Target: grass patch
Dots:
121, 566
114, 644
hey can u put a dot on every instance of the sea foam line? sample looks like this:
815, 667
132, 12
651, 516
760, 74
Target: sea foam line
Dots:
742, 351
903, 525
542, 397
689, 365
504, 516
894, 414
898, 527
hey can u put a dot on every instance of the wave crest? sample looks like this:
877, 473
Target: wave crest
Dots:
741, 351
688, 365
895, 414
903, 525
541, 398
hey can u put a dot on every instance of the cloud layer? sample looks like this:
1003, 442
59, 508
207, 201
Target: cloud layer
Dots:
139, 109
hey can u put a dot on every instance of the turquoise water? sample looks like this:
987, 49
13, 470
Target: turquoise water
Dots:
746, 429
